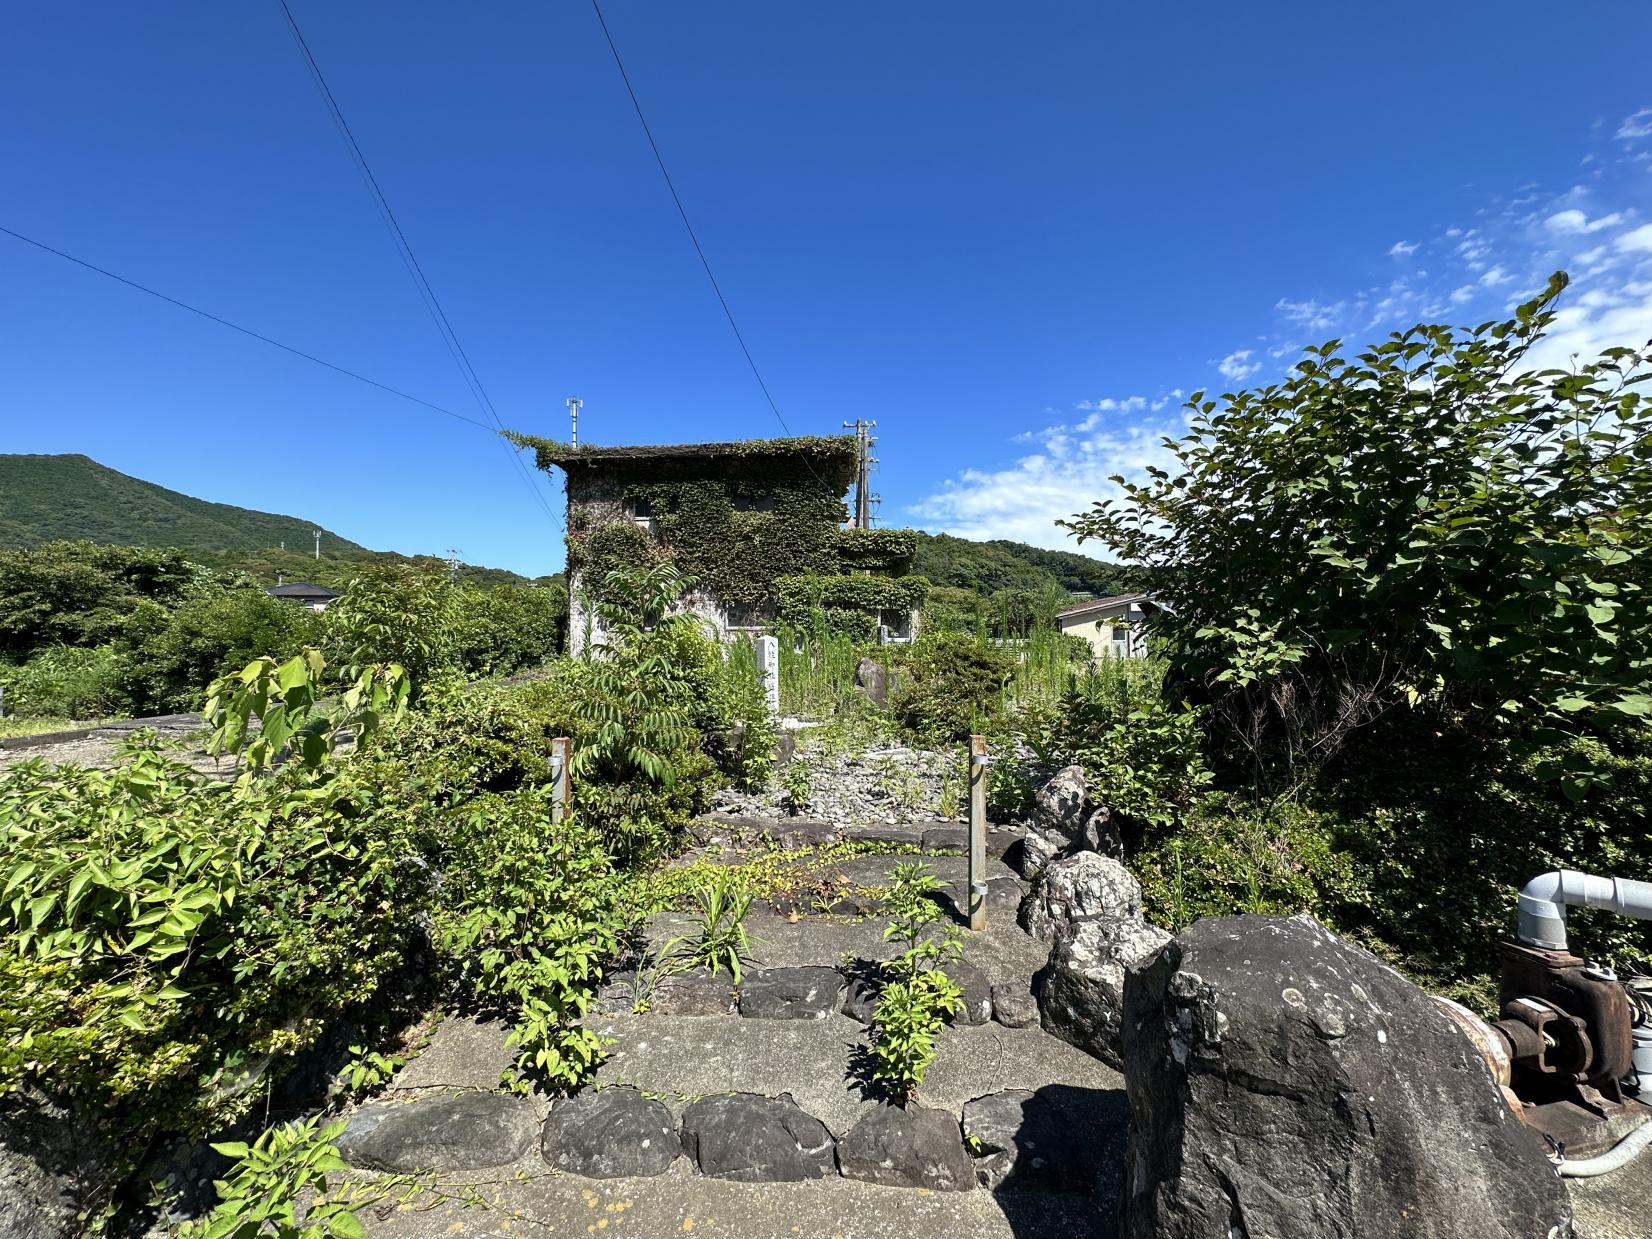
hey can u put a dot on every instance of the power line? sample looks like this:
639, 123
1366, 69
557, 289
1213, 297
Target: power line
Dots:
404, 249
246, 331
705, 262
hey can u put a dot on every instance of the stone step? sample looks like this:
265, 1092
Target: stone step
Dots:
682, 1202
796, 832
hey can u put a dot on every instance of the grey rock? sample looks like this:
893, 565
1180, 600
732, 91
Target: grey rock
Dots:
1034, 853
885, 836
618, 991
977, 1008
1081, 989
907, 1147
1081, 992
1063, 812
692, 993
1013, 1006
55, 1167
860, 996
952, 840
610, 1133
756, 1139
790, 993
1025, 1140
872, 678
473, 1131
1076, 887
1284, 1082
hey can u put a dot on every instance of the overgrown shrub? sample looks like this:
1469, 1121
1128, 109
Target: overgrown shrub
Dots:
66, 682
526, 916
81, 593
1143, 754
166, 942
956, 682
172, 651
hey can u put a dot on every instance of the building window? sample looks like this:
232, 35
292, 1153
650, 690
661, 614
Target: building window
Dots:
750, 503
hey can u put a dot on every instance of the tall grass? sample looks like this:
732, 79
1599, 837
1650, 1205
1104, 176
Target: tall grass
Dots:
817, 672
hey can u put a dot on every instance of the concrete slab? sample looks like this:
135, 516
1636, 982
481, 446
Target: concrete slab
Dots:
681, 1203
1617, 1205
463, 1053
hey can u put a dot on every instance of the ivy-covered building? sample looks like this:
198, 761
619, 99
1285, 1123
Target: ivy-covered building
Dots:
758, 526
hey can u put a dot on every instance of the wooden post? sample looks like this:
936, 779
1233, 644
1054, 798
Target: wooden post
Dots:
562, 754
977, 833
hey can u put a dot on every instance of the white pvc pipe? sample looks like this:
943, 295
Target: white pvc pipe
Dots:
1621, 1154
1544, 900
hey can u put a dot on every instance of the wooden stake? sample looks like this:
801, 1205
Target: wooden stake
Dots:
977, 833
562, 755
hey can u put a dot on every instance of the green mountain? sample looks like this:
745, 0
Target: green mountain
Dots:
1001, 564
73, 498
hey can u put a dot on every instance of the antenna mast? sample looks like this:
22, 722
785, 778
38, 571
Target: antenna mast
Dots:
864, 463
575, 404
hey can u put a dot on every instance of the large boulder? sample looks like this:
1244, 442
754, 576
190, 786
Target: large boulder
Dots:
55, 1167
473, 1131
1081, 989
756, 1139
1077, 887
1283, 1082
907, 1147
610, 1133
1062, 809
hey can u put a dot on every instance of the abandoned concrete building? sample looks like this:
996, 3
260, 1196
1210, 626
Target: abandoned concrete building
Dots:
759, 528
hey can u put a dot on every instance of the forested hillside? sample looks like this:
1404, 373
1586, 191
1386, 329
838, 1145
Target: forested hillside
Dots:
991, 566
73, 498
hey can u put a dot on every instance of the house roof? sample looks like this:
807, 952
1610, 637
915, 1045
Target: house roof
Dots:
832, 455
302, 589
1079, 610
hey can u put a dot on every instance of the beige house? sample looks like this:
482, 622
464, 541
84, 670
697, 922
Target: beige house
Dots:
1112, 626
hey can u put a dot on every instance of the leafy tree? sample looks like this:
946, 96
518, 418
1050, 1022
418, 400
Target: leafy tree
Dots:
79, 593
1426, 523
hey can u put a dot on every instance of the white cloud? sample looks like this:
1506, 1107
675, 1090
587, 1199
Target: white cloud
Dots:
1466, 293
1638, 125
1495, 277
1636, 240
1069, 473
1575, 221
1401, 249
1309, 315
1237, 366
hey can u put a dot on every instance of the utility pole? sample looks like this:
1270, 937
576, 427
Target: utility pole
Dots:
318, 545
864, 462
575, 404
454, 563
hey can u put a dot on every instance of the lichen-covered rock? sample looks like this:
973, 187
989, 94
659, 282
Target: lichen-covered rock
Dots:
1062, 810
473, 1131
610, 1133
1033, 853
808, 993
907, 1147
1079, 887
756, 1139
1284, 1082
1081, 989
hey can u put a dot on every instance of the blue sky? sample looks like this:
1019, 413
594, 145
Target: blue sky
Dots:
1011, 234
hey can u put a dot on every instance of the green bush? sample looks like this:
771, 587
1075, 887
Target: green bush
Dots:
172, 652
510, 627
526, 916
165, 942
957, 682
81, 593
71, 683
1142, 753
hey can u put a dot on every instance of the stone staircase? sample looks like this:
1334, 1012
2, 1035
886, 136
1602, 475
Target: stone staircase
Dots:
738, 1110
